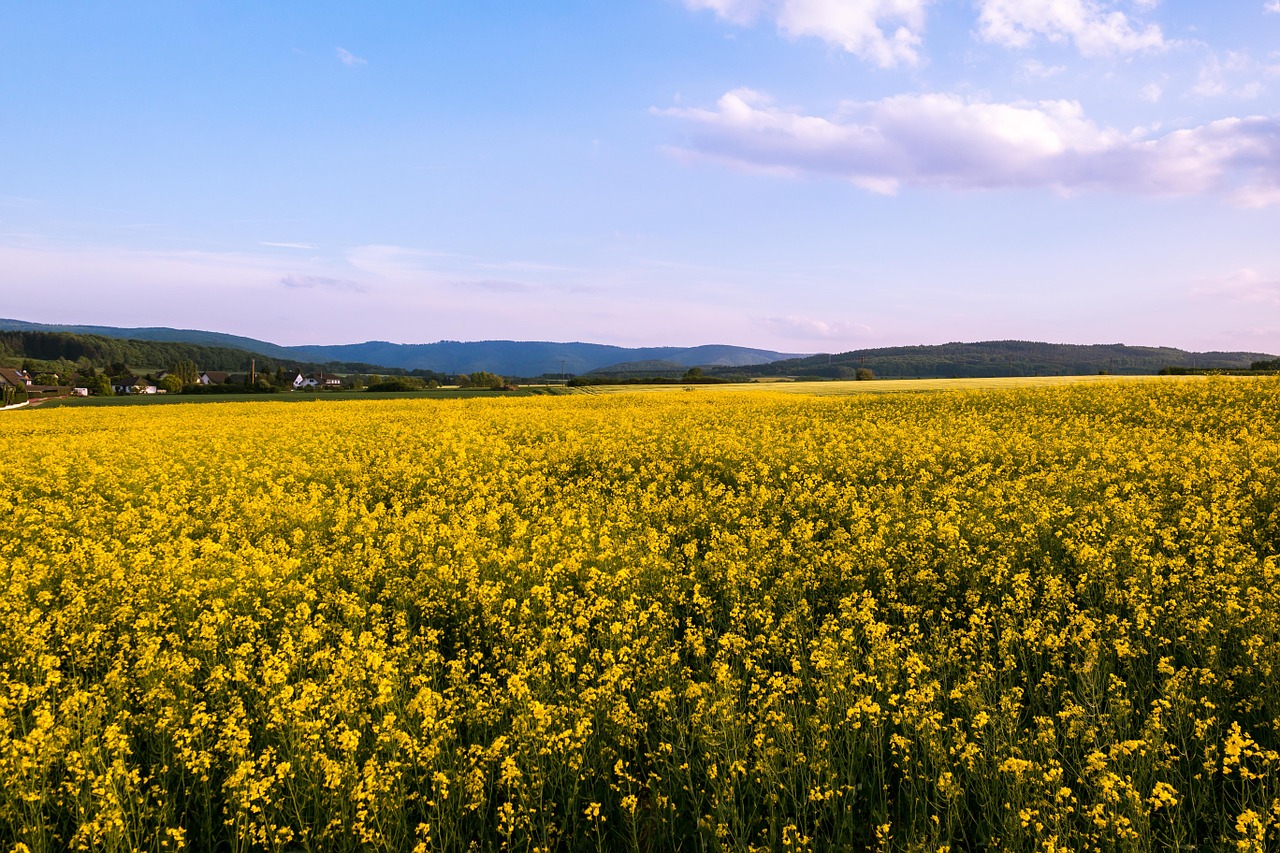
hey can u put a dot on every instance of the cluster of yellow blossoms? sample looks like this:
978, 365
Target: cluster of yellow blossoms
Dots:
1039, 619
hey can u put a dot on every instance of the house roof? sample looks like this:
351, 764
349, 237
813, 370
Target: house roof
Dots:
11, 376
217, 377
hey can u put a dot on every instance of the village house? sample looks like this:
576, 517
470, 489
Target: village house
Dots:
316, 380
15, 378
133, 385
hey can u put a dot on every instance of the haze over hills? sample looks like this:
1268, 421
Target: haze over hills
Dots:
535, 358
508, 358
1006, 358
530, 358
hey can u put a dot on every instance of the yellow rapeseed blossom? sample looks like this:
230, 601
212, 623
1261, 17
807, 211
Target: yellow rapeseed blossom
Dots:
1028, 619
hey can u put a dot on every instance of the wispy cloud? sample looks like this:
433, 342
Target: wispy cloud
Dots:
809, 329
1093, 28
349, 59
1037, 70
298, 281
397, 263
1273, 6
286, 245
946, 141
495, 286
1244, 285
883, 32
1233, 74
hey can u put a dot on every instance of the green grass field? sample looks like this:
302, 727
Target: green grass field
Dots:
819, 389
294, 397
886, 386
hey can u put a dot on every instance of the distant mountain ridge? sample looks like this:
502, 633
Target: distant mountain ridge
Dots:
530, 358
508, 358
535, 358
157, 333
1005, 358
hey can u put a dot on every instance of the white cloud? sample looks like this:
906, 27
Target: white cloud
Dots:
884, 32
299, 281
945, 141
392, 262
349, 59
794, 327
1273, 6
1244, 285
1235, 74
1091, 25
1036, 69
286, 245
494, 285
1152, 92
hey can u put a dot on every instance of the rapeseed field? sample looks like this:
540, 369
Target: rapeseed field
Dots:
1027, 619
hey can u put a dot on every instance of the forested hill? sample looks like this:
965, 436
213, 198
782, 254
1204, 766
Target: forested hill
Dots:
1004, 358
155, 348
534, 358
159, 333
509, 358
102, 352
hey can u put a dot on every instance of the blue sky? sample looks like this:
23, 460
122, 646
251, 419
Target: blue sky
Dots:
803, 175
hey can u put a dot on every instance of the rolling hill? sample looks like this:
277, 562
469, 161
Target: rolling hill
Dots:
508, 358
536, 358
1004, 358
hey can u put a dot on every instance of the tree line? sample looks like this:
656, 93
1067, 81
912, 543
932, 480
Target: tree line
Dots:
66, 353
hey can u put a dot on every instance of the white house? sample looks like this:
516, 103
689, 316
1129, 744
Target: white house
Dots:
133, 385
317, 380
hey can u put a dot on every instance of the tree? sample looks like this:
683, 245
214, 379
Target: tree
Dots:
186, 371
397, 383
864, 374
102, 386
483, 379
9, 395
693, 374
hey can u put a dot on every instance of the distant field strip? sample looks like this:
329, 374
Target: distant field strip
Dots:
892, 386
1030, 618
